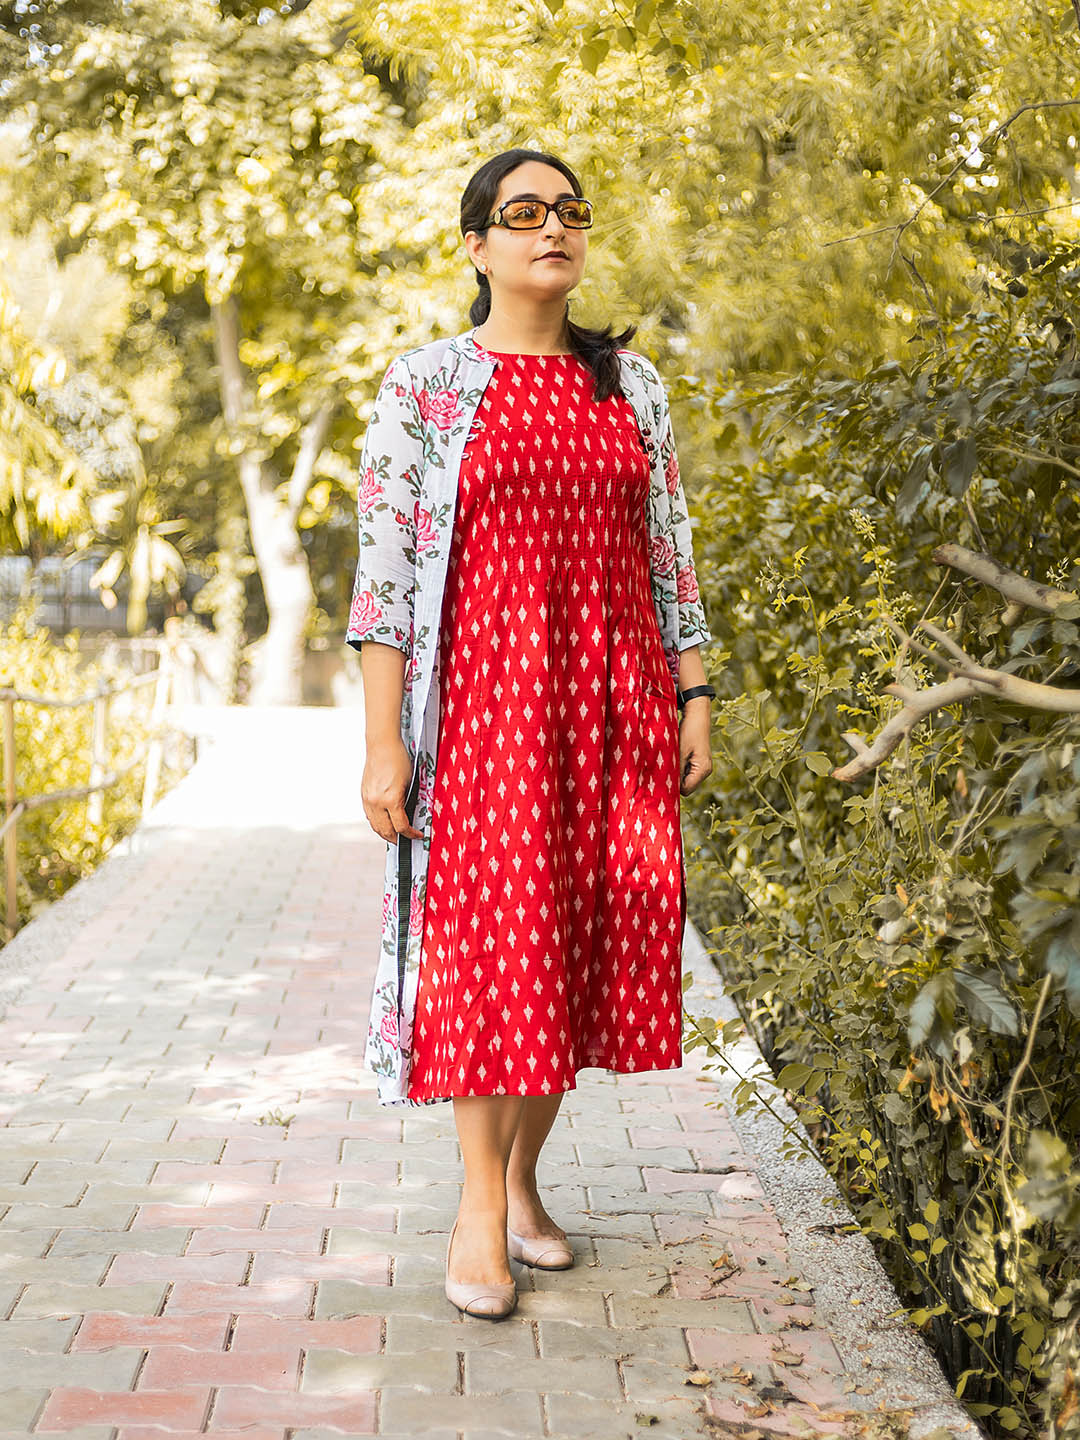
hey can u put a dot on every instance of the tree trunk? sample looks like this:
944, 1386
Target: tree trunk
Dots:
275, 543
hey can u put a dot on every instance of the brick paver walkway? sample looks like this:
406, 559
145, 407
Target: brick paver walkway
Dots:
178, 1261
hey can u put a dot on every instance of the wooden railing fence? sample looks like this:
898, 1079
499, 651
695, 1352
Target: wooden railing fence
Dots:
162, 678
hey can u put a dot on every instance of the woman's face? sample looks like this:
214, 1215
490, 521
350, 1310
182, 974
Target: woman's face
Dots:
515, 259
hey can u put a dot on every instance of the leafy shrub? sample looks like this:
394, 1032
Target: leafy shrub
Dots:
59, 843
906, 946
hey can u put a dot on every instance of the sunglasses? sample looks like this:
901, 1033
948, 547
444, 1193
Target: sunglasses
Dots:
575, 214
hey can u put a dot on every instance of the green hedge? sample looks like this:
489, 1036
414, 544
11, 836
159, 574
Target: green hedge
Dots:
57, 843
906, 946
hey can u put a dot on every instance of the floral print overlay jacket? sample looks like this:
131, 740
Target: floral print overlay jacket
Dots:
406, 501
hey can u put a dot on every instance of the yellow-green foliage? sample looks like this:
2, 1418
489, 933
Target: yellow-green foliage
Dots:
57, 843
906, 947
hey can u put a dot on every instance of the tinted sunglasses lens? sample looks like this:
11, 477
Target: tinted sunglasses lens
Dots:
530, 215
524, 215
577, 214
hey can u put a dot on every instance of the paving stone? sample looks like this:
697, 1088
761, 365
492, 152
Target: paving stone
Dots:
730, 1315
25, 1244
596, 1376
611, 1223
71, 1243
601, 1279
22, 1405
107, 1168
577, 1417
412, 1335
54, 1298
170, 1367
46, 1191
171, 1410
605, 1200
413, 1413
103, 1330
32, 1370
336, 1371
338, 1299
348, 1240
76, 1217
76, 1432
86, 1269
286, 1298
566, 1339
323, 1433
45, 1336
242, 1406
121, 1148
597, 1157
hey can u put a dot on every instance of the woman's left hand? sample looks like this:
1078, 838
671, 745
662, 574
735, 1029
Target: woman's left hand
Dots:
695, 756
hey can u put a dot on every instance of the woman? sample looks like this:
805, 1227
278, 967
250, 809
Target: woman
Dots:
525, 602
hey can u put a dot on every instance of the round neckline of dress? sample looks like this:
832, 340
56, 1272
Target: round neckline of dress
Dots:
528, 354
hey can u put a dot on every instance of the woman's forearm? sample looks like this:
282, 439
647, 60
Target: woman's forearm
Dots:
691, 667
383, 670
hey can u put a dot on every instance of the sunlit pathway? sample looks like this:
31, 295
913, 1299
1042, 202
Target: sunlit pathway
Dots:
176, 1261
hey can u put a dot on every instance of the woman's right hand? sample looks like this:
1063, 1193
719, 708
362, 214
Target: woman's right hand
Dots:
387, 772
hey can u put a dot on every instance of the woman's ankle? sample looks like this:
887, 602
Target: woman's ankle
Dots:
523, 1186
483, 1209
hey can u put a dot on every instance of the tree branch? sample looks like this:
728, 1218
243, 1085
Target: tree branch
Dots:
971, 679
312, 439
1014, 587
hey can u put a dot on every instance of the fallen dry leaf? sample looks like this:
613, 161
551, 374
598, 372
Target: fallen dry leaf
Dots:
699, 1377
788, 1357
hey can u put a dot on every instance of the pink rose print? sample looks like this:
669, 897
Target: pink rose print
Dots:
365, 614
671, 474
416, 913
427, 787
388, 1029
687, 582
386, 910
441, 406
369, 491
662, 555
426, 534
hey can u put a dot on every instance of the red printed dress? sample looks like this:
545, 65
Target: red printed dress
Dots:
555, 901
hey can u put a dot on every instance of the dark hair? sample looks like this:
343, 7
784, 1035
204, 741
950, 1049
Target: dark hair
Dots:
595, 347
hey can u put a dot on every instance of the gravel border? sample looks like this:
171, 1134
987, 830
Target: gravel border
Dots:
891, 1355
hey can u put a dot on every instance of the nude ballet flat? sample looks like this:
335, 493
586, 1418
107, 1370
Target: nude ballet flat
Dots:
492, 1301
545, 1252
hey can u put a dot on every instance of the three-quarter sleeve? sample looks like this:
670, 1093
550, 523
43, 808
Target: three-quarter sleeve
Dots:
693, 629
388, 494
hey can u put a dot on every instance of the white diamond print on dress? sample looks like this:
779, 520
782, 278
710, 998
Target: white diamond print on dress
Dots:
577, 941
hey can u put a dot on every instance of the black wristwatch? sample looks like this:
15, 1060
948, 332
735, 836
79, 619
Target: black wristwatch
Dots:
683, 695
